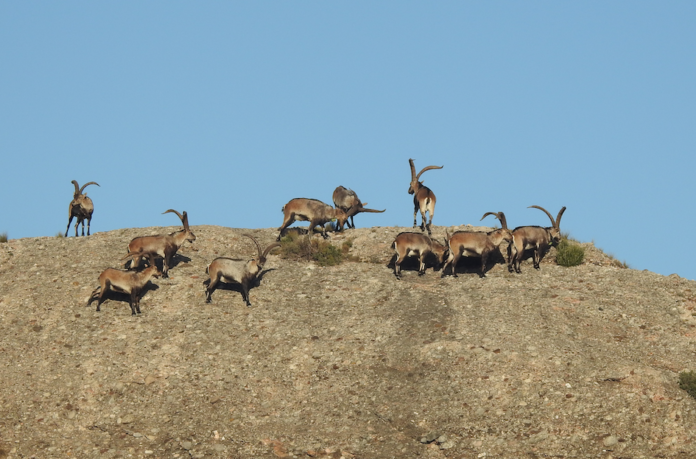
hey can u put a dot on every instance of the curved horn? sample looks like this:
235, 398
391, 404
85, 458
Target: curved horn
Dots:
258, 247
269, 248
553, 222
181, 217
558, 218
427, 169
184, 221
499, 215
413, 170
85, 185
77, 188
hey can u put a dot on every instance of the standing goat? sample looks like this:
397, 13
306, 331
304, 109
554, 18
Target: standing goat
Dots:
416, 244
472, 244
535, 238
313, 211
81, 207
164, 246
130, 283
348, 201
423, 197
237, 270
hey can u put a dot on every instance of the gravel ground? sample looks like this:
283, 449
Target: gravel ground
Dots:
341, 361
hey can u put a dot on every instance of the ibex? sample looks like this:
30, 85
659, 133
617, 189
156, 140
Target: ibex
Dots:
81, 207
416, 244
423, 197
348, 201
236, 270
472, 244
164, 246
533, 238
313, 211
128, 282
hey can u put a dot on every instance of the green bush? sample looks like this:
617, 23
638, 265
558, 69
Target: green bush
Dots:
300, 247
3, 237
687, 382
568, 254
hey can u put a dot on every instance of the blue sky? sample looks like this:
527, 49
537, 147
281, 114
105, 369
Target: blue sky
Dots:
230, 109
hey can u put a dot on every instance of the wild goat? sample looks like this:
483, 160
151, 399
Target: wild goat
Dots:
81, 207
348, 201
237, 270
127, 282
472, 244
164, 246
313, 211
416, 244
534, 238
423, 197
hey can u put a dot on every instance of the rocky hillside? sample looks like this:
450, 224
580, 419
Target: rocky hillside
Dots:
341, 361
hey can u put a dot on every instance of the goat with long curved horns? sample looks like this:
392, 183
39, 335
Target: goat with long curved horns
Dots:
164, 246
469, 243
236, 270
535, 238
423, 197
348, 201
81, 207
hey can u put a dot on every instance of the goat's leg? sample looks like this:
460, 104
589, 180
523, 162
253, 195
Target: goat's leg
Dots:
211, 287
68, 228
89, 222
484, 259
245, 293
397, 267
289, 220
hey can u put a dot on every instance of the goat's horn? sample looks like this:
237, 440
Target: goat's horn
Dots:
184, 221
255, 242
77, 187
553, 222
427, 169
503, 220
85, 185
269, 248
181, 217
558, 219
413, 170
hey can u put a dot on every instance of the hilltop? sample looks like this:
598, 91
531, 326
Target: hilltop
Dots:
341, 361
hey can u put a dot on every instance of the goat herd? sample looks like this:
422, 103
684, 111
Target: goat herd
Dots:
346, 206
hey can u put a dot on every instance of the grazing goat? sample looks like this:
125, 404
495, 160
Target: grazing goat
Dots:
164, 246
535, 238
416, 244
81, 207
236, 270
128, 282
313, 211
472, 244
423, 197
348, 201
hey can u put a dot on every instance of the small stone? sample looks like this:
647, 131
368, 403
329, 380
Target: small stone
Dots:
610, 440
149, 379
187, 445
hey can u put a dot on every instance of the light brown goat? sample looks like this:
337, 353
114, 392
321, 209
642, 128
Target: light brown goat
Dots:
164, 246
348, 201
243, 272
128, 282
81, 207
535, 238
423, 197
313, 211
472, 244
416, 244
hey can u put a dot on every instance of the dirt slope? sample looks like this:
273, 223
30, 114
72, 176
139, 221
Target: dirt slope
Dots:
343, 361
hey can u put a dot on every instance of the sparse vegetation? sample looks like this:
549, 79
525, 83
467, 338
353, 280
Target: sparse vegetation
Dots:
294, 246
60, 234
3, 237
569, 253
687, 382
